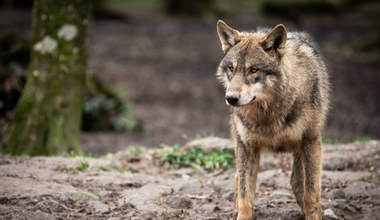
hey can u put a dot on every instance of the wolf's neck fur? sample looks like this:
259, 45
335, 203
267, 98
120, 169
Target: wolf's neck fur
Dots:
267, 117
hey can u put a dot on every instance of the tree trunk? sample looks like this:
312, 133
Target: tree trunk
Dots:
48, 116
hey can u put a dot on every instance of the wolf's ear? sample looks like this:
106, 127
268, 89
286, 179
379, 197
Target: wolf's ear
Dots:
228, 36
274, 42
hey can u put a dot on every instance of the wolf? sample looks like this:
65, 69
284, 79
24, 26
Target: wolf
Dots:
277, 87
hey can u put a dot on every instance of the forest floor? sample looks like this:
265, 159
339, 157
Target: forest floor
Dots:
133, 185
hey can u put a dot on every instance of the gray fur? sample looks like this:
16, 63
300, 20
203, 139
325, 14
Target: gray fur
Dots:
280, 84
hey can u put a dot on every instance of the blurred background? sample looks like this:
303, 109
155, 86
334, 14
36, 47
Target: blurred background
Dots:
157, 58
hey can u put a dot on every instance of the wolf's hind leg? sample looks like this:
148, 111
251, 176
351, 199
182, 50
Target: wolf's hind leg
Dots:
297, 179
311, 158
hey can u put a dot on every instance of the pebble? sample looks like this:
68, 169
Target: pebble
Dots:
362, 190
330, 213
82, 196
336, 194
178, 202
281, 192
99, 207
191, 188
229, 196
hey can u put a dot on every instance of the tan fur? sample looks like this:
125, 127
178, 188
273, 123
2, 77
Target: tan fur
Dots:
277, 86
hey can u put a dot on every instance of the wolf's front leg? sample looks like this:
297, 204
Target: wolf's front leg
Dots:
247, 166
312, 155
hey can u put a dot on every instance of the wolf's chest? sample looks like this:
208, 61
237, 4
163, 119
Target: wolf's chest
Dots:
271, 135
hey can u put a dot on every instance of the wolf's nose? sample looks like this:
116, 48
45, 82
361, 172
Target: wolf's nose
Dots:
232, 100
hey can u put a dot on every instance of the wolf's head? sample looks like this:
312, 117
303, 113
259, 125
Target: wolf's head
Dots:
251, 68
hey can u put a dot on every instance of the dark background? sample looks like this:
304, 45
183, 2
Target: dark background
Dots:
162, 57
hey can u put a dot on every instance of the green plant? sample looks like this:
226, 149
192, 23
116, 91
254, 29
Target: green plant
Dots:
121, 170
101, 167
198, 159
329, 141
83, 165
63, 169
363, 139
71, 154
134, 149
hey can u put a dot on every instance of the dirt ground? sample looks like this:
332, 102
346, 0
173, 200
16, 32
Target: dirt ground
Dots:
53, 188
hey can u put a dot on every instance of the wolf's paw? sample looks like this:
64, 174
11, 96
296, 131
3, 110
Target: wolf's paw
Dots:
240, 217
245, 211
244, 216
234, 215
315, 216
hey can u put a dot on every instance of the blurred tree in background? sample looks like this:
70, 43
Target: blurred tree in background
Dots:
104, 108
188, 7
48, 115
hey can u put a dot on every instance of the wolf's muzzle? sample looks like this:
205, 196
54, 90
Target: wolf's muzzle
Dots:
232, 100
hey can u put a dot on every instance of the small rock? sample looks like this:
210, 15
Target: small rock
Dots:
330, 213
82, 196
216, 209
4, 200
114, 218
352, 208
41, 215
147, 216
335, 194
338, 194
279, 201
185, 173
104, 193
99, 207
281, 192
191, 188
371, 201
362, 190
178, 202
266, 175
229, 196
219, 189
210, 208
340, 200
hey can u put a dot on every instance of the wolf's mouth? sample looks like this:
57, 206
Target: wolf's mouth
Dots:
253, 99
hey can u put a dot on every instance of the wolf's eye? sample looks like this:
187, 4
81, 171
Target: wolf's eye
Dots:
253, 70
231, 68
